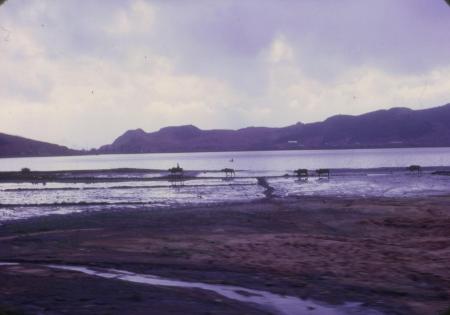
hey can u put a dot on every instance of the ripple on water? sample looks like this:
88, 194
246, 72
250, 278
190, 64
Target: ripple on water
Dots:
24, 200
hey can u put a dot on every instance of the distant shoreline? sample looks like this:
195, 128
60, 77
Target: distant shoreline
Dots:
95, 175
381, 129
228, 151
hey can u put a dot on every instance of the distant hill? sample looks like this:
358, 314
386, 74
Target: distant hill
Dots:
14, 146
396, 127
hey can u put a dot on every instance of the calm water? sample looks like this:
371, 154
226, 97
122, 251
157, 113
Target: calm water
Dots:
355, 173
278, 161
281, 304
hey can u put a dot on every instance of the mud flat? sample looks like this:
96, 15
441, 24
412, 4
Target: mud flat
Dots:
388, 255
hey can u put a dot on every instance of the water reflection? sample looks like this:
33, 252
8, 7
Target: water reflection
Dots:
26, 199
269, 161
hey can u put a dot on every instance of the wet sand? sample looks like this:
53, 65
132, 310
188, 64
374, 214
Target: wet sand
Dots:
392, 254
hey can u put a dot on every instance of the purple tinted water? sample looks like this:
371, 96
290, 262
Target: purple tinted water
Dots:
134, 189
262, 161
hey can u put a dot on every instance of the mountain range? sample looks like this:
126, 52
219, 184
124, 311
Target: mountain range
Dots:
395, 127
14, 146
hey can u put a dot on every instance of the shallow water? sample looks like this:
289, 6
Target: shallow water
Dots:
280, 304
25, 200
261, 161
372, 173
7, 264
398, 184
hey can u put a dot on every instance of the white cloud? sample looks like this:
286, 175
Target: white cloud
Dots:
82, 83
280, 50
292, 95
88, 102
138, 18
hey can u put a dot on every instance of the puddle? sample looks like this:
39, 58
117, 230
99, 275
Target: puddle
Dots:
279, 304
8, 264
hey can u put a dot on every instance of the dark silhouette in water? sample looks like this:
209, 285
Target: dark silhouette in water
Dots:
415, 168
324, 172
25, 171
302, 173
177, 176
229, 172
176, 170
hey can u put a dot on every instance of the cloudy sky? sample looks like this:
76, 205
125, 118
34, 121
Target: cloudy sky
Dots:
80, 73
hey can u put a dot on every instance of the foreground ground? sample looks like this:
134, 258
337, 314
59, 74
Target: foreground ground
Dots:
391, 254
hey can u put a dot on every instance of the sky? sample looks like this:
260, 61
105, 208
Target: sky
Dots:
80, 73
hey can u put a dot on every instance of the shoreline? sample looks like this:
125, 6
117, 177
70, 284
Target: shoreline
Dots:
267, 197
388, 253
393, 147
141, 175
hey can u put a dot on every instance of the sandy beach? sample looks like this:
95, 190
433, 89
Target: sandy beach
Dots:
391, 254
